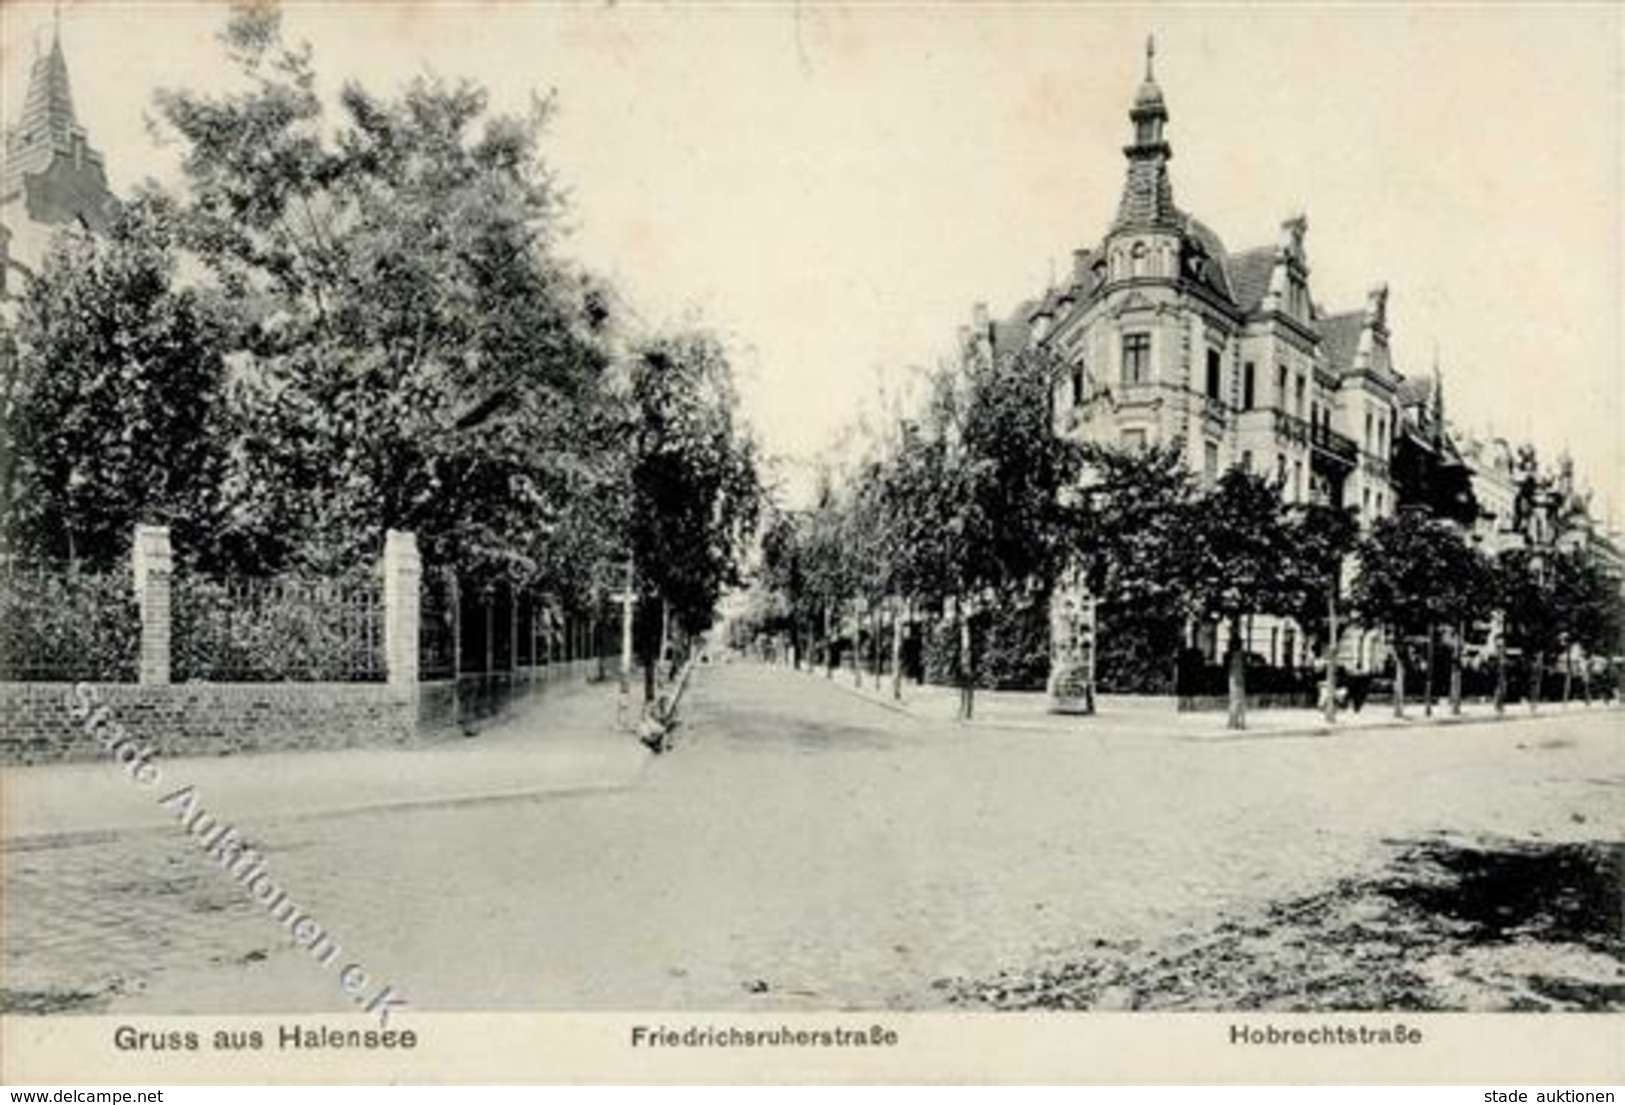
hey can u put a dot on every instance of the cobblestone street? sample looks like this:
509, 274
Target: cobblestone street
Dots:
800, 847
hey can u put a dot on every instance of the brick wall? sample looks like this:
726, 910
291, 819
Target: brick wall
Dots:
37, 724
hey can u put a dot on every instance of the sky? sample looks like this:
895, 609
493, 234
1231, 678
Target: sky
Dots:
833, 188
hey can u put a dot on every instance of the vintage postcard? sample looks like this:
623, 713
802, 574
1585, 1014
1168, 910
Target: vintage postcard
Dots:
946, 542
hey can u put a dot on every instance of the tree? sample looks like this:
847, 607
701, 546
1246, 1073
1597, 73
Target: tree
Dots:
409, 351
1416, 572
1004, 471
1238, 541
695, 497
1463, 591
1130, 539
113, 402
783, 575
1588, 611
1526, 594
1319, 537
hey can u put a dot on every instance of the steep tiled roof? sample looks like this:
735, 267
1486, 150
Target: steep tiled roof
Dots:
1250, 276
1415, 390
1010, 335
1340, 337
1148, 196
1214, 273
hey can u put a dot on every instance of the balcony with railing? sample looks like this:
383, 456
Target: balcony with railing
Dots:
1285, 428
1333, 447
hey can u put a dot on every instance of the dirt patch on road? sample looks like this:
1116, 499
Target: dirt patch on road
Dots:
1487, 925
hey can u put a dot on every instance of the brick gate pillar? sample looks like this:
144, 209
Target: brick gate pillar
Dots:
152, 562
403, 579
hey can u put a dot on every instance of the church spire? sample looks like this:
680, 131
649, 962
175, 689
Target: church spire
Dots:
1148, 197
48, 108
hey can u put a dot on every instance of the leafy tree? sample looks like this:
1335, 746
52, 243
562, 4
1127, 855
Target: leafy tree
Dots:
694, 489
1416, 572
1238, 541
783, 576
1319, 538
412, 352
113, 403
1463, 592
1526, 593
1006, 519
1588, 610
1129, 538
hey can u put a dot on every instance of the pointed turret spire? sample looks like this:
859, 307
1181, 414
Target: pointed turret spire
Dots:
1438, 392
48, 107
1148, 197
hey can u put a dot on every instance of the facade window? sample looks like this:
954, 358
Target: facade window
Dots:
1077, 386
1138, 259
1297, 481
1247, 374
1210, 463
1246, 460
1280, 469
1297, 390
1136, 358
1368, 431
1280, 387
1133, 440
1365, 503
1214, 372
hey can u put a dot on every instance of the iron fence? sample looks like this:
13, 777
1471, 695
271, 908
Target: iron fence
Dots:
59, 623
277, 628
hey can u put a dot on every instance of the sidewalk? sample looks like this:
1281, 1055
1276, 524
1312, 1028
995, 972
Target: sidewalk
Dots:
1156, 715
564, 742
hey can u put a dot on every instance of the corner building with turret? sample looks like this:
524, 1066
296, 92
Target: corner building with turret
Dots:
1167, 337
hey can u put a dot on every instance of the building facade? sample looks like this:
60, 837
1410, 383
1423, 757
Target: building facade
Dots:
1168, 337
1171, 338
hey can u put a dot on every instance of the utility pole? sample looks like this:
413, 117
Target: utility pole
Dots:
1331, 652
628, 599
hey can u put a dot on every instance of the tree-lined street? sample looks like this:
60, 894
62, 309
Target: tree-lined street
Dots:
804, 847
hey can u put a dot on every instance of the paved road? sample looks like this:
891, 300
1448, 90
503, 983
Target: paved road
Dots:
801, 847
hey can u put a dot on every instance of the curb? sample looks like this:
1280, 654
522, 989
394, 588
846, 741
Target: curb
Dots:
1388, 726
1320, 729
891, 704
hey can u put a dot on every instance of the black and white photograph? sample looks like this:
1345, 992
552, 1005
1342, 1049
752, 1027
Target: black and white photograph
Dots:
784, 519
